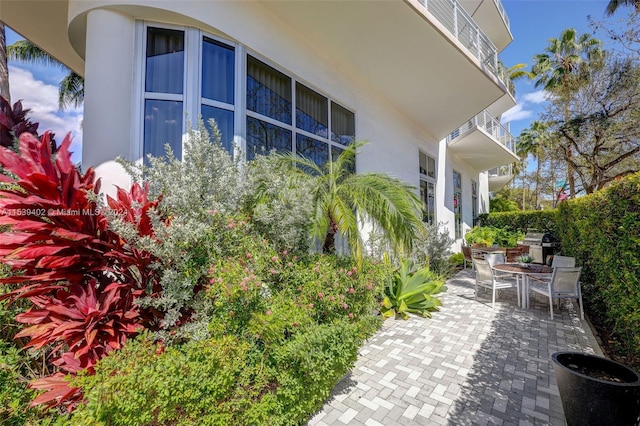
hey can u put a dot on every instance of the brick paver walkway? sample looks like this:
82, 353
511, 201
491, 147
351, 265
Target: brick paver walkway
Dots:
468, 365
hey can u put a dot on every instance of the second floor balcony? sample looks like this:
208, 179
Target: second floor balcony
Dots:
483, 142
492, 18
499, 177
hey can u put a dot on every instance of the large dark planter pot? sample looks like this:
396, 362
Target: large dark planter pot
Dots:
612, 399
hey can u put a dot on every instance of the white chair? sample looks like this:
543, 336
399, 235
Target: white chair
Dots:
494, 258
564, 283
563, 262
486, 278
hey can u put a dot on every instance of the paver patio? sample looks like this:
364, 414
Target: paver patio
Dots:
468, 365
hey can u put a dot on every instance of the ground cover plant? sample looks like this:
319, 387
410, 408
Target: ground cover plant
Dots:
189, 285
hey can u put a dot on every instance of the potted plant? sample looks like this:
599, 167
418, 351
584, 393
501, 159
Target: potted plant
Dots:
596, 390
524, 260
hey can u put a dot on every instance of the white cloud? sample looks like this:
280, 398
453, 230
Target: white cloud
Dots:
42, 99
518, 112
537, 97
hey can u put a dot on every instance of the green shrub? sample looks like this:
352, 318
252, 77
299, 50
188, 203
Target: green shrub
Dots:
602, 231
456, 259
432, 247
540, 220
222, 381
489, 235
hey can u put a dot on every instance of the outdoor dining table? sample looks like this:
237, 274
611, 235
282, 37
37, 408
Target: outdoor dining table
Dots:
522, 272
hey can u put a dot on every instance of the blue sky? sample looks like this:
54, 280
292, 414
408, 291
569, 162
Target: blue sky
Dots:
533, 22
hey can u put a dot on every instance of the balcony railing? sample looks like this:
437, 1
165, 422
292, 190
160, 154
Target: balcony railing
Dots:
503, 13
506, 170
489, 124
458, 22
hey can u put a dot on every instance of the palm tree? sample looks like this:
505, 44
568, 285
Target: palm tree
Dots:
4, 70
613, 5
513, 73
533, 141
70, 89
558, 68
341, 199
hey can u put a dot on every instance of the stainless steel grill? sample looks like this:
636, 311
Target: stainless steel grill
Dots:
541, 245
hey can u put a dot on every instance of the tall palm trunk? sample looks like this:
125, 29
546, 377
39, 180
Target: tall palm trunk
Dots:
4, 69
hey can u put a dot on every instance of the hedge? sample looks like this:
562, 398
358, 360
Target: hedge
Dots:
602, 231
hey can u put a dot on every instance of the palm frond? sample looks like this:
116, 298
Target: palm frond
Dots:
71, 91
25, 51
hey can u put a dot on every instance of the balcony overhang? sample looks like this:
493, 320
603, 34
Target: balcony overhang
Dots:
497, 182
480, 150
502, 104
401, 51
493, 19
44, 23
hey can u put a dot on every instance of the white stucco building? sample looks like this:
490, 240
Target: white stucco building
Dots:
419, 79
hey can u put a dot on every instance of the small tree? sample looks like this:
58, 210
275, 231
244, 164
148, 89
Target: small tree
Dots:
341, 200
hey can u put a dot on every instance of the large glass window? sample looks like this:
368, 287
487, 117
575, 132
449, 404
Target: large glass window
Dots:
218, 88
224, 121
312, 111
165, 61
457, 203
428, 186
268, 91
474, 201
218, 71
427, 165
162, 125
318, 128
311, 148
343, 127
428, 197
263, 137
164, 82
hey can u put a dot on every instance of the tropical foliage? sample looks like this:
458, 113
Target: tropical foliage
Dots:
489, 235
187, 280
70, 89
412, 291
342, 200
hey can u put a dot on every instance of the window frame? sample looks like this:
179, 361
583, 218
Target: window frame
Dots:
428, 180
457, 204
193, 100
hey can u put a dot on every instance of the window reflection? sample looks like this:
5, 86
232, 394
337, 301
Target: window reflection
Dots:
165, 60
315, 150
218, 71
343, 124
224, 121
268, 91
162, 125
312, 111
263, 137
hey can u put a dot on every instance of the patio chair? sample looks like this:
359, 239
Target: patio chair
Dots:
563, 262
564, 283
466, 252
486, 278
494, 258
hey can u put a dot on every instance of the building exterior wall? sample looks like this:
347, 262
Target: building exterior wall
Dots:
114, 82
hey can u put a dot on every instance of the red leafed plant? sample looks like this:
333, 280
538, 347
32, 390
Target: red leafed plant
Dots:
82, 278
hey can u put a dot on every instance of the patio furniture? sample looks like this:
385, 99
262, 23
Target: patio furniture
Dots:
564, 283
563, 261
494, 258
486, 278
522, 274
466, 252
